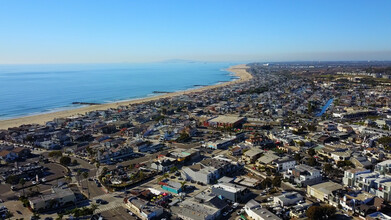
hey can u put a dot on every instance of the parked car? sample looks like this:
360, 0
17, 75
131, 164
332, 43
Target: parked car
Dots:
101, 201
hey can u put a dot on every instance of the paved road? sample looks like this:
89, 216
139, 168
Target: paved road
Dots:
88, 187
118, 213
115, 200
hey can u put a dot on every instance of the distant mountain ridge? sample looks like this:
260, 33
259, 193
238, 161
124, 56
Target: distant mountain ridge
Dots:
180, 61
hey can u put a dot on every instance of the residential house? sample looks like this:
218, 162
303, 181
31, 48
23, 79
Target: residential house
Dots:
377, 216
162, 165
7, 155
267, 159
361, 162
288, 199
351, 200
252, 155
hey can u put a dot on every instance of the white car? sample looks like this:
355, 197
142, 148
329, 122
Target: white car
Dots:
235, 205
34, 182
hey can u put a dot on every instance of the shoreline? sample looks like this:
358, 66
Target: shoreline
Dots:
238, 70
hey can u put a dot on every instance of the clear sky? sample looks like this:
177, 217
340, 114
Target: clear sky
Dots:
96, 31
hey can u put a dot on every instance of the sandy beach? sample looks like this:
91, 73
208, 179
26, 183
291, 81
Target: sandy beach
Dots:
238, 70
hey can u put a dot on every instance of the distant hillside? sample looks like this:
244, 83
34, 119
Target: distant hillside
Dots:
179, 61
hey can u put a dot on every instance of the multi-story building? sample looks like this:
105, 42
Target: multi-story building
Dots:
230, 191
288, 199
350, 176
209, 170
284, 164
325, 192
252, 155
59, 197
304, 175
383, 167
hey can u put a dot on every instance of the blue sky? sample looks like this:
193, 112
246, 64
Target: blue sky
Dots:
95, 31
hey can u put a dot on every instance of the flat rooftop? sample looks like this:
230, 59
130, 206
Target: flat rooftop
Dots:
226, 119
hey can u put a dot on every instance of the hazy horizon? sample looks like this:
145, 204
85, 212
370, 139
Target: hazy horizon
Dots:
71, 32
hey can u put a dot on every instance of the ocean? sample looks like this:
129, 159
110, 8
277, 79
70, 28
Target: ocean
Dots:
36, 89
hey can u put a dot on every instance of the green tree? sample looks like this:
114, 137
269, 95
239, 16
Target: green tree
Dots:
173, 169
183, 184
65, 160
297, 158
74, 162
327, 168
321, 212
266, 183
312, 161
12, 179
55, 154
59, 216
385, 141
85, 175
276, 181
311, 152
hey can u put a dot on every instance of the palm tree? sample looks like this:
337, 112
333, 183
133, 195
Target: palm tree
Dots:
165, 175
59, 217
85, 176
78, 175
37, 188
22, 181
94, 207
183, 183
68, 178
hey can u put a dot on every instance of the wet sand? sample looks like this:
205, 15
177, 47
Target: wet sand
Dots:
238, 70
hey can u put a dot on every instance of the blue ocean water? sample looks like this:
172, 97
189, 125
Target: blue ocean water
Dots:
35, 89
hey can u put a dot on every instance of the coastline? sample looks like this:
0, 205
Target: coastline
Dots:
239, 71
